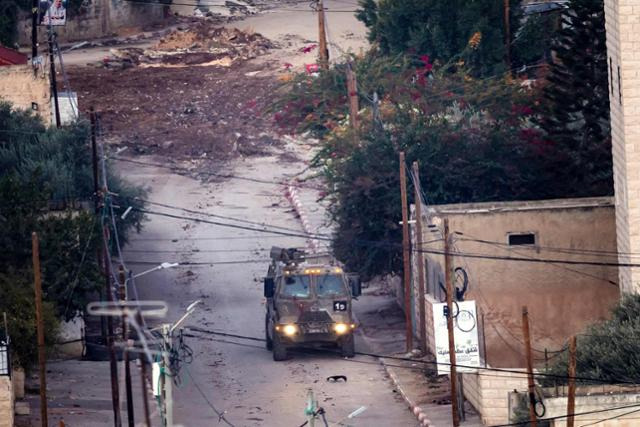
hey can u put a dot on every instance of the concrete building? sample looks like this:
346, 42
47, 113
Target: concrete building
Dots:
623, 48
26, 90
562, 298
507, 250
98, 18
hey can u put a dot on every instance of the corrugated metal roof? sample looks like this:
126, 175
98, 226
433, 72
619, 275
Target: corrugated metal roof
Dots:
12, 57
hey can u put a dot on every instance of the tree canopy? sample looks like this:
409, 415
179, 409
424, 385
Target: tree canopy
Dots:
46, 186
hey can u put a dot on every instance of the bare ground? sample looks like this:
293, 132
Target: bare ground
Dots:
171, 101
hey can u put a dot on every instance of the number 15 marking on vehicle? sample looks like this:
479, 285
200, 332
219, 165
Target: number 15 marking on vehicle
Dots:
339, 306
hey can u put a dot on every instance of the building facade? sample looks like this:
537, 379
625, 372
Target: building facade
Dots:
507, 252
623, 49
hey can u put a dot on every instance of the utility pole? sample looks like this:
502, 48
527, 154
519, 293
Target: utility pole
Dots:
97, 198
94, 160
310, 410
125, 356
323, 53
35, 246
507, 34
54, 85
448, 266
143, 377
34, 33
352, 89
532, 386
406, 274
571, 401
167, 386
115, 393
420, 259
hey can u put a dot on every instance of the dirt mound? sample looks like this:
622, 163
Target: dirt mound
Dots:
200, 44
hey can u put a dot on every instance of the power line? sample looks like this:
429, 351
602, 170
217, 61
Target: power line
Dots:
611, 418
192, 263
192, 211
424, 362
381, 243
573, 251
559, 417
220, 414
218, 175
593, 276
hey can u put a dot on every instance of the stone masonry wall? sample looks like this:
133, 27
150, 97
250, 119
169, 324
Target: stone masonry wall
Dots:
100, 18
489, 395
597, 401
623, 47
19, 86
6, 402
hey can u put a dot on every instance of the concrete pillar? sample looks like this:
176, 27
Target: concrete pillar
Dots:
6, 402
623, 49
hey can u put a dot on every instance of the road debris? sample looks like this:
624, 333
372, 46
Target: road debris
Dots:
203, 43
193, 95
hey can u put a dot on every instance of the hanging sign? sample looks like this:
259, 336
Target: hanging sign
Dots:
465, 326
52, 12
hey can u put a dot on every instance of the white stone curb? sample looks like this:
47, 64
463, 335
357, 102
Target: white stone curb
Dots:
417, 411
291, 192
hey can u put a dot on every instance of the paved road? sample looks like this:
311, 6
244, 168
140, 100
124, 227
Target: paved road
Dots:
242, 378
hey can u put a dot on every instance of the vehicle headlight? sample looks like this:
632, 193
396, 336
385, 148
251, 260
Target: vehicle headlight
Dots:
341, 328
290, 329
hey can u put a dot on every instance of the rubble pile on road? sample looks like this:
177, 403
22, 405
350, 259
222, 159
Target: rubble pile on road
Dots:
201, 44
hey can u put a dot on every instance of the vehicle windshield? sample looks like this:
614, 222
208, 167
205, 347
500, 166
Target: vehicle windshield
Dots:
296, 286
330, 285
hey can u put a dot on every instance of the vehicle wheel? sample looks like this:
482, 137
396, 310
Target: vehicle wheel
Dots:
279, 349
268, 340
348, 346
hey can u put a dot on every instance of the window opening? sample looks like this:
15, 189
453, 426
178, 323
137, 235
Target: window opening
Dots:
522, 239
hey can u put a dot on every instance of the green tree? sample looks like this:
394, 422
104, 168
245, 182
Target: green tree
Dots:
607, 350
46, 186
449, 31
576, 99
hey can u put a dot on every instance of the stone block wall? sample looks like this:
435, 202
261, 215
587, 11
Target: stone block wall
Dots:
590, 399
100, 18
623, 50
21, 87
6, 402
489, 395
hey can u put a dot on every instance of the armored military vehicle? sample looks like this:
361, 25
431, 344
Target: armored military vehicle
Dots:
308, 303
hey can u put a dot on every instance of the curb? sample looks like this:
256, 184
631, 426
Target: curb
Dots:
420, 414
291, 192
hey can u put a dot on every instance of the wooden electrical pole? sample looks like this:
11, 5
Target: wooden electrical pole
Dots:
34, 33
420, 259
448, 266
125, 357
406, 274
507, 34
113, 364
54, 84
323, 52
35, 245
532, 386
94, 161
571, 401
143, 377
352, 89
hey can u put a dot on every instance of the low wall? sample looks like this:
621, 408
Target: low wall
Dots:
596, 398
488, 392
6, 402
99, 18
19, 86
430, 327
